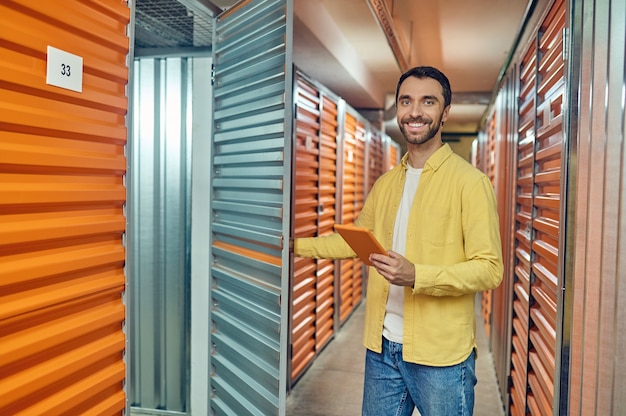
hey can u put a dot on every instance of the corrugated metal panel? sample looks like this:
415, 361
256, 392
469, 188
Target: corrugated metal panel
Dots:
523, 230
250, 200
538, 222
315, 210
360, 194
62, 197
597, 311
393, 154
547, 211
307, 148
353, 184
489, 169
328, 188
159, 234
375, 158
501, 297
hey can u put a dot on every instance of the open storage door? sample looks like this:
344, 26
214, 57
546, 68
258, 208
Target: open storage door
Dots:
250, 208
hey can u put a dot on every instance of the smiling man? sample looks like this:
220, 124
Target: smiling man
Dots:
436, 215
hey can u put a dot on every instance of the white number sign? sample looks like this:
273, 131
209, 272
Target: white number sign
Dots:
64, 70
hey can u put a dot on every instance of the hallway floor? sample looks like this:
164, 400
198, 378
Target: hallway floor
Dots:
333, 385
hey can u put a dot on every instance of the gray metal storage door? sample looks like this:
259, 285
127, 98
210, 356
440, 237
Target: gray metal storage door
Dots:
250, 208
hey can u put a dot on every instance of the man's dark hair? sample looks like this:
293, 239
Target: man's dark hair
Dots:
428, 72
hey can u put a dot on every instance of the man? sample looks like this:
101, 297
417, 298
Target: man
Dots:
438, 215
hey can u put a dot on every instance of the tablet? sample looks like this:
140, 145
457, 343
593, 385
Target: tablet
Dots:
361, 240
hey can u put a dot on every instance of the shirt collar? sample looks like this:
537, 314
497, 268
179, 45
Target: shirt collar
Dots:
434, 161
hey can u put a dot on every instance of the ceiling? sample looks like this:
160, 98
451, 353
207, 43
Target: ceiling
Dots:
359, 48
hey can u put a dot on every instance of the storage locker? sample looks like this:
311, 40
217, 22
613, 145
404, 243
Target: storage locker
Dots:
307, 125
352, 199
375, 157
250, 200
540, 143
62, 199
320, 176
393, 153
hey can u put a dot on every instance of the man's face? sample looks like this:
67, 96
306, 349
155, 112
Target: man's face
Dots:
420, 109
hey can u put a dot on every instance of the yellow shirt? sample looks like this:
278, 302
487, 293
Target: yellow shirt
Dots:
453, 239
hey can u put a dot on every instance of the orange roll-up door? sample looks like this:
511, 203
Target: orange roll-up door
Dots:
359, 201
348, 213
351, 275
523, 225
305, 225
538, 221
489, 169
313, 304
325, 279
375, 158
547, 210
62, 196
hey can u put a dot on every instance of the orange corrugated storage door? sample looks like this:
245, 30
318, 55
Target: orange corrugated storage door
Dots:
523, 225
313, 305
325, 279
359, 200
305, 225
393, 156
489, 169
538, 219
547, 209
62, 197
348, 212
375, 159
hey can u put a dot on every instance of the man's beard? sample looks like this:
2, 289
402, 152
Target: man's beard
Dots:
432, 132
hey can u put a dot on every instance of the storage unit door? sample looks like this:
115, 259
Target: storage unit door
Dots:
359, 199
539, 208
251, 208
307, 150
523, 227
351, 274
393, 154
375, 158
62, 196
313, 302
325, 304
547, 212
489, 169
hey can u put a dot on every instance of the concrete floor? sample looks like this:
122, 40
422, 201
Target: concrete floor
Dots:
333, 385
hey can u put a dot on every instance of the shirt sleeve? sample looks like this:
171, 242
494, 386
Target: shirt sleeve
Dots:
331, 246
483, 267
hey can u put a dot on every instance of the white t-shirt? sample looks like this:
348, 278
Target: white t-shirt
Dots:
394, 316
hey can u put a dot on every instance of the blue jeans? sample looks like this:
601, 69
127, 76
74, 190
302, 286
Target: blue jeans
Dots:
394, 387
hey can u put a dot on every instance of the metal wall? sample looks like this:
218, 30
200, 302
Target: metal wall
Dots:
595, 321
62, 196
315, 197
251, 208
584, 118
159, 234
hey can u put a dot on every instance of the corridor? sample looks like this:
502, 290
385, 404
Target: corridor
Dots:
334, 384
